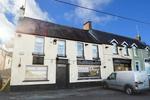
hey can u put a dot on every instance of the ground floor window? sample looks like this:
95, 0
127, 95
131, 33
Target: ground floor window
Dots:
88, 72
34, 72
122, 64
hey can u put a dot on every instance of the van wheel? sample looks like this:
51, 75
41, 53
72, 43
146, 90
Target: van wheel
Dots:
105, 85
129, 90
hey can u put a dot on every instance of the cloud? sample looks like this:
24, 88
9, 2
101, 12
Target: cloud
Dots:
11, 7
79, 14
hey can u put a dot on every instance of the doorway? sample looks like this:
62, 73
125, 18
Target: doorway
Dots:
62, 76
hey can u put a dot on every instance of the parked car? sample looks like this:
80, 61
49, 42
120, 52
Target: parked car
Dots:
129, 81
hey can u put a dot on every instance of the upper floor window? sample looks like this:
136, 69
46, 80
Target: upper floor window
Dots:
39, 45
80, 50
148, 51
61, 48
135, 51
125, 50
95, 52
115, 49
38, 55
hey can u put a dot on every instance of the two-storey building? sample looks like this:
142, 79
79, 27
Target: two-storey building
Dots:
48, 55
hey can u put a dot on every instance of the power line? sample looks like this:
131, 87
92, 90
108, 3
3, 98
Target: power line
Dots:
106, 13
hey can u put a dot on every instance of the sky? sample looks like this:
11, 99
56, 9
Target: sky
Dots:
52, 11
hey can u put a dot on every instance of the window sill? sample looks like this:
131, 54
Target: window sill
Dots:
37, 54
89, 78
97, 59
80, 58
35, 80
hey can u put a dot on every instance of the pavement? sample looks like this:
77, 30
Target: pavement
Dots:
93, 93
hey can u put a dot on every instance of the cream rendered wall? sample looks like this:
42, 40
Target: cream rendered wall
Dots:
107, 58
23, 49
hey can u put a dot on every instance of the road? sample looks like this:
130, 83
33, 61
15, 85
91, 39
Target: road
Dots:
95, 93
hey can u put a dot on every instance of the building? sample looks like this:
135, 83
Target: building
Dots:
5, 59
48, 55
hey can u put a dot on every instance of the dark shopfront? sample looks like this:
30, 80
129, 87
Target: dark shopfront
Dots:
122, 64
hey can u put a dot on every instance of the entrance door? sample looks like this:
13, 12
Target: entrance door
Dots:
62, 76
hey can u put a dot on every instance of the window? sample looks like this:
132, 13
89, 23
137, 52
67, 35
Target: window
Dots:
125, 50
137, 66
36, 73
38, 54
39, 45
80, 50
112, 76
37, 59
135, 51
115, 49
88, 72
61, 48
95, 52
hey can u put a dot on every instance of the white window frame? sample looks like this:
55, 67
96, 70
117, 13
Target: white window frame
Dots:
87, 69
39, 48
97, 52
80, 56
114, 48
61, 54
135, 52
36, 70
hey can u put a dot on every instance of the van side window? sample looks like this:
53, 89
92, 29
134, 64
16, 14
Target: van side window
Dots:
112, 76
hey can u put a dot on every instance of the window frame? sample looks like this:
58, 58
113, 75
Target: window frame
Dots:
60, 55
39, 53
96, 53
89, 67
34, 80
114, 48
125, 50
82, 50
135, 51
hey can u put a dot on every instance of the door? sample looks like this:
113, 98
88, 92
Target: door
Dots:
62, 76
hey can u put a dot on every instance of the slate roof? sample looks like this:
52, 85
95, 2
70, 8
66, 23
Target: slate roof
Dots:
38, 27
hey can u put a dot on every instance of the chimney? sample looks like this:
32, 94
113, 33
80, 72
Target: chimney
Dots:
87, 25
138, 37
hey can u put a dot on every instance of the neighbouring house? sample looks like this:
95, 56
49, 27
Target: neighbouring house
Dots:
5, 59
50, 56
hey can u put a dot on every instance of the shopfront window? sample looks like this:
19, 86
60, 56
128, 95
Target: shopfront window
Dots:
122, 64
34, 72
88, 72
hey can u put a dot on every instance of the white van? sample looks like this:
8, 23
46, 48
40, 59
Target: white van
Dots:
129, 81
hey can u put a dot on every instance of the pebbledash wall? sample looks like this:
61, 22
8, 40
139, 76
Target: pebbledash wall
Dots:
69, 71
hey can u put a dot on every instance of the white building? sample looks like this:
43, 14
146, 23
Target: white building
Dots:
48, 56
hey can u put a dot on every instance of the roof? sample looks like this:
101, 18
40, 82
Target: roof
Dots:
38, 27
